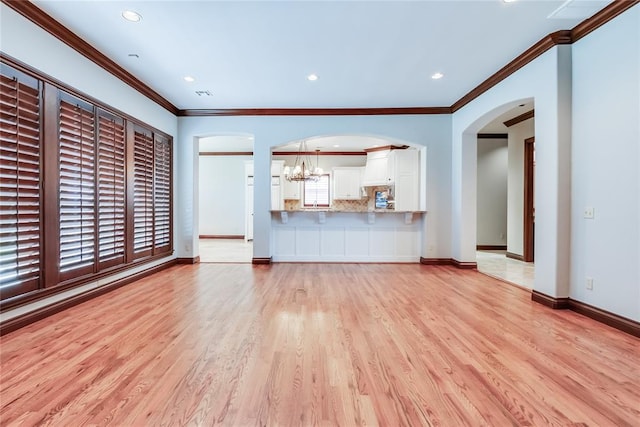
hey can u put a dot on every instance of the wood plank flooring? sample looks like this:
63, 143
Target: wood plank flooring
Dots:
318, 344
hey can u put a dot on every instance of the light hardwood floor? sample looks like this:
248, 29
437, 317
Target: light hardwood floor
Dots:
309, 344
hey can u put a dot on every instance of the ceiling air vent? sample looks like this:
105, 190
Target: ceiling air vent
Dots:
204, 93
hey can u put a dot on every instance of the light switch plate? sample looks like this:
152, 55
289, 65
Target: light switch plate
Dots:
589, 284
588, 213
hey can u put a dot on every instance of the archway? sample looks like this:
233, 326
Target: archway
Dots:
502, 196
342, 157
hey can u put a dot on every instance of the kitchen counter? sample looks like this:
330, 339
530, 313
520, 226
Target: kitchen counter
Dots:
328, 235
315, 210
321, 214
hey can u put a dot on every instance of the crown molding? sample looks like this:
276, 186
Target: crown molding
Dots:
521, 118
46, 22
225, 153
546, 43
493, 136
313, 111
319, 153
386, 148
62, 33
605, 15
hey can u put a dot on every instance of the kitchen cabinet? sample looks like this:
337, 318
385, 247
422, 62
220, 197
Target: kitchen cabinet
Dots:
291, 190
277, 203
347, 182
404, 166
376, 172
398, 169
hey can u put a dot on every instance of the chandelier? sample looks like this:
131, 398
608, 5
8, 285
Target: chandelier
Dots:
303, 169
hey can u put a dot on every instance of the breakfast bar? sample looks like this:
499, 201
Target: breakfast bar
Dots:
328, 235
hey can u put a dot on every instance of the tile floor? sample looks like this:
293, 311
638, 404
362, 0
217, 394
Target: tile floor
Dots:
492, 263
496, 264
226, 250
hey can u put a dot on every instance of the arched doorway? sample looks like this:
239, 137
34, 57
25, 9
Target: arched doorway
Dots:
505, 177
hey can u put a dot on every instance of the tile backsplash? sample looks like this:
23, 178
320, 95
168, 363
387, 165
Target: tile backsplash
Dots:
361, 205
350, 205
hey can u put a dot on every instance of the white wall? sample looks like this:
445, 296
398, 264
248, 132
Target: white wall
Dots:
606, 165
544, 81
515, 199
432, 131
587, 100
492, 192
222, 195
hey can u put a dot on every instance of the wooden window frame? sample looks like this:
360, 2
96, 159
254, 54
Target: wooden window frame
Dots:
51, 279
21, 120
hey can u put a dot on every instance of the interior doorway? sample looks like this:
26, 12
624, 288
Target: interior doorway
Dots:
222, 198
529, 208
505, 188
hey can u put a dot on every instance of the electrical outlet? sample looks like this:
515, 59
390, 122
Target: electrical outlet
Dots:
589, 283
588, 212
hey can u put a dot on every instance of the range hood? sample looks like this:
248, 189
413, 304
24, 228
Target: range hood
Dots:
380, 167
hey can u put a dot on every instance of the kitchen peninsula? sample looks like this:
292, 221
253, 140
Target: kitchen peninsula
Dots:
346, 236
374, 215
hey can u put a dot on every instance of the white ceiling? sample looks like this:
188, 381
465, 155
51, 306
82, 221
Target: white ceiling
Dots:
257, 54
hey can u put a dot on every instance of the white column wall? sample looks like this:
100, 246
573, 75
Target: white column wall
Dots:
431, 131
606, 167
538, 80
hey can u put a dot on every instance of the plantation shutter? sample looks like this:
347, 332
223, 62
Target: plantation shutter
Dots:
19, 183
142, 192
77, 188
111, 190
162, 194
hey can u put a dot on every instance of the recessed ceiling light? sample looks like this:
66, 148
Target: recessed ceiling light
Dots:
189, 79
336, 145
312, 77
132, 16
437, 76
508, 1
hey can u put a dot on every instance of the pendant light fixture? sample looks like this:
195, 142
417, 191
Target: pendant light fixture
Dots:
303, 169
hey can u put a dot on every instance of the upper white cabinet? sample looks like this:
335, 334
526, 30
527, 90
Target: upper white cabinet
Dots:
277, 202
347, 182
406, 179
376, 172
291, 190
276, 167
399, 169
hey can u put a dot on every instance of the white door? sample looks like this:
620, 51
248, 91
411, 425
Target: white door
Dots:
248, 233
